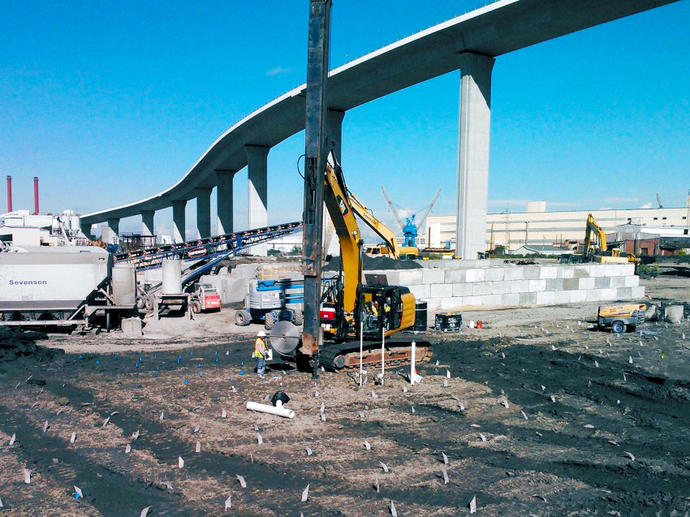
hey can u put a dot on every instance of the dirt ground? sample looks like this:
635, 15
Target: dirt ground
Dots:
536, 414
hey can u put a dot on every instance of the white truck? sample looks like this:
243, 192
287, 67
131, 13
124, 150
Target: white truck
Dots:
62, 286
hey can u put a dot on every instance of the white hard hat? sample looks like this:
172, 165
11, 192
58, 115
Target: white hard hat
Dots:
261, 333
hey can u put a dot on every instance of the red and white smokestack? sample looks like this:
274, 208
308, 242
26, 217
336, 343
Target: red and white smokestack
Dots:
36, 195
9, 193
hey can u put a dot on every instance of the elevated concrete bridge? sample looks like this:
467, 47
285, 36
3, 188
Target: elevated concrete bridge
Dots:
470, 42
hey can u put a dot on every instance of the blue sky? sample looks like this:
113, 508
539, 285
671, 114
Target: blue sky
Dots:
108, 102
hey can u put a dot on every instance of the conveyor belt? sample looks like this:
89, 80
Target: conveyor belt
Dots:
203, 249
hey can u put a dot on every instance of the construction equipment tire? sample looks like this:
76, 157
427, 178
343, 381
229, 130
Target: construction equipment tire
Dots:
618, 327
243, 318
270, 320
297, 318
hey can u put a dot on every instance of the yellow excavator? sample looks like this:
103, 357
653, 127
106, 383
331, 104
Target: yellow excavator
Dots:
390, 247
596, 248
350, 309
600, 252
382, 250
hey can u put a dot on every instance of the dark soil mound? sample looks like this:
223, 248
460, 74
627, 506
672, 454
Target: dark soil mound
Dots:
16, 343
370, 263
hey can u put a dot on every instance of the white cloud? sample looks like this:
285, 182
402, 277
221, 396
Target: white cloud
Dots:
647, 205
278, 70
404, 212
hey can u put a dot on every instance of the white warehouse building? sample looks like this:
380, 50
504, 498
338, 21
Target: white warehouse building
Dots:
537, 227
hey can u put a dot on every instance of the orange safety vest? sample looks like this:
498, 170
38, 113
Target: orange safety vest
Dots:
259, 347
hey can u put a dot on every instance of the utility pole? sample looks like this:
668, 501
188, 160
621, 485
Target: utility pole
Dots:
526, 232
314, 173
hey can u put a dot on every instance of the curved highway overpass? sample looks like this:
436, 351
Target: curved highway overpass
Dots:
468, 42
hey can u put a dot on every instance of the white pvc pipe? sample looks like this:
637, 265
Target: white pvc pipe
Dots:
271, 410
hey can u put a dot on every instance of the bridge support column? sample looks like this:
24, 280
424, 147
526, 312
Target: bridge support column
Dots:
224, 201
179, 220
111, 233
257, 163
203, 212
334, 132
334, 142
473, 153
86, 229
147, 222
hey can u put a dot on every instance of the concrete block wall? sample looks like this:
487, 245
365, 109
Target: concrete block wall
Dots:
447, 285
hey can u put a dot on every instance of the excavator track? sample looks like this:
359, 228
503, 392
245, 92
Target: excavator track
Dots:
337, 356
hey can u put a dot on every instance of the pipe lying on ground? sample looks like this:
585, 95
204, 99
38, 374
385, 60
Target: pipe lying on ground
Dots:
277, 410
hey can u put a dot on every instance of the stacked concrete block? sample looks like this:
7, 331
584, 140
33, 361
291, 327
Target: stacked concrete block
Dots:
454, 284
421, 292
433, 276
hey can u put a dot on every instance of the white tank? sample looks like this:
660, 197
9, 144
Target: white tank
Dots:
124, 284
172, 276
71, 220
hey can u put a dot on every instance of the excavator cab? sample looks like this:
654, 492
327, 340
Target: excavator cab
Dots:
385, 308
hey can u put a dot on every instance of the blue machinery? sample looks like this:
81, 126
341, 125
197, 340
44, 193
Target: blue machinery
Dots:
284, 286
271, 301
410, 232
411, 227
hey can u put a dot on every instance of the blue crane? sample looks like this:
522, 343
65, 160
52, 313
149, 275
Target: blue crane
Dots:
411, 227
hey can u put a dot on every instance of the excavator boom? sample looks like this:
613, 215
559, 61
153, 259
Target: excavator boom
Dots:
379, 228
594, 228
342, 206
599, 251
342, 214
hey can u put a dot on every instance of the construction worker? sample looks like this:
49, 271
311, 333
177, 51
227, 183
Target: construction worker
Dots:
260, 353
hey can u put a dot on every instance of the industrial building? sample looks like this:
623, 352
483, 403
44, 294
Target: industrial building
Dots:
538, 227
642, 240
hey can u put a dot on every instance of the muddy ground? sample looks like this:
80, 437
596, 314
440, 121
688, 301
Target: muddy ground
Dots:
540, 415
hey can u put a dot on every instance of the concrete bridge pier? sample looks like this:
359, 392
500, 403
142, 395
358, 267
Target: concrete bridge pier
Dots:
473, 153
179, 220
147, 222
334, 142
203, 212
224, 200
111, 233
86, 229
334, 132
257, 206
